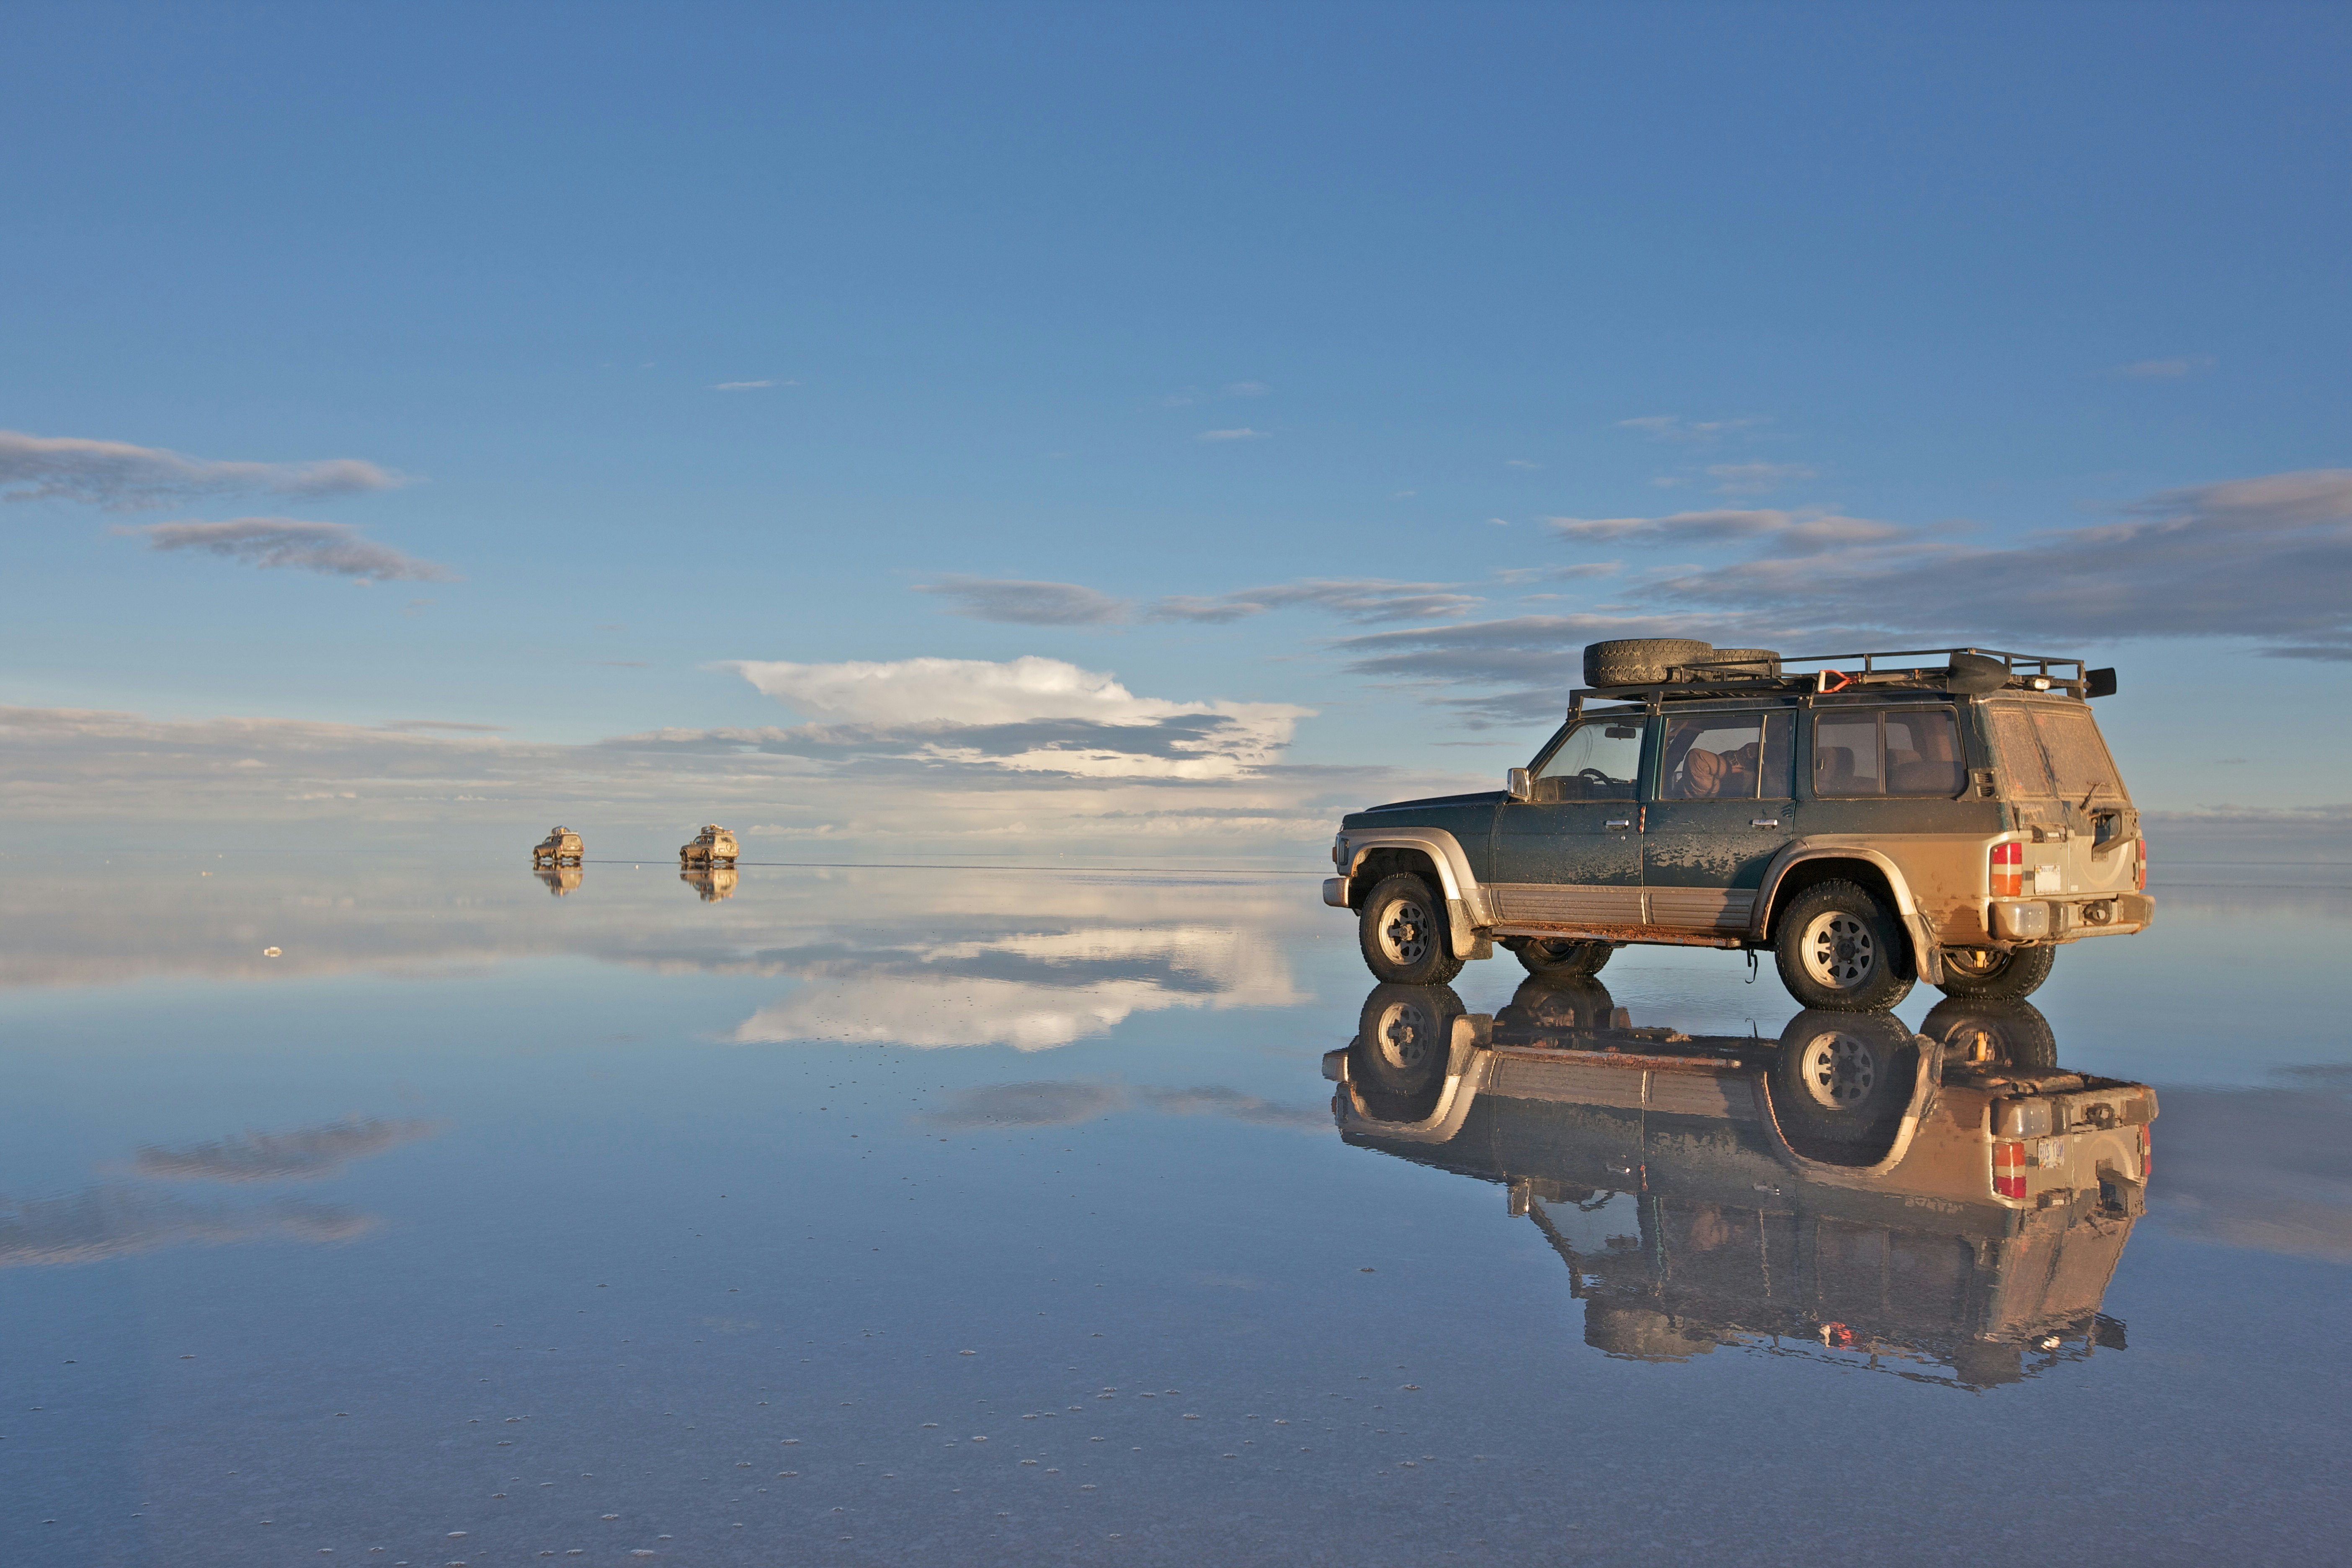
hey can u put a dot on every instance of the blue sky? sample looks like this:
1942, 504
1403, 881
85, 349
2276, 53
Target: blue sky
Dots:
686, 336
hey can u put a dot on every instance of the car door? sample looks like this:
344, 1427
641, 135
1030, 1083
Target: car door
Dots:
1570, 854
1726, 806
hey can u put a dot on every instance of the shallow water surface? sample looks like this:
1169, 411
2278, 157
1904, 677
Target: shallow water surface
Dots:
871, 1215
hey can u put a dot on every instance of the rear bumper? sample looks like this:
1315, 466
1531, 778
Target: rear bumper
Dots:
2065, 919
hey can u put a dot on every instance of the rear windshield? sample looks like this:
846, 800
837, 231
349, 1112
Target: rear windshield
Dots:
2079, 762
2052, 750
2016, 753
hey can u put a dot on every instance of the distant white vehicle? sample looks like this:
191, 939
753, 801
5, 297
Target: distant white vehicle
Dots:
714, 846
562, 846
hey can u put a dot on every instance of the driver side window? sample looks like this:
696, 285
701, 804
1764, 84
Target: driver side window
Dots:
1600, 760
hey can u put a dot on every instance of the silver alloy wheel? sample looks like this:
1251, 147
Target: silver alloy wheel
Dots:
1839, 1070
1838, 951
1405, 1036
1405, 934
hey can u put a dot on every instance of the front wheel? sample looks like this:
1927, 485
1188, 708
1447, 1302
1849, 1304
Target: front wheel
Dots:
1839, 949
1401, 929
1989, 974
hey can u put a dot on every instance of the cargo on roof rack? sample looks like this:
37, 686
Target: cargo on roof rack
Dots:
1753, 672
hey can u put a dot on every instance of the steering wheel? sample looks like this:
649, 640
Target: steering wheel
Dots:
1595, 775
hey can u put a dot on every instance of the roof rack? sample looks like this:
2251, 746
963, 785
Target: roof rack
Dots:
1825, 673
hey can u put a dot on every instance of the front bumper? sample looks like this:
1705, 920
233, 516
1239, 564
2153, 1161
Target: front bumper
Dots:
1336, 891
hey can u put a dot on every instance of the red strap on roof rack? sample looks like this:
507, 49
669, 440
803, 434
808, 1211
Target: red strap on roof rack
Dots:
1822, 678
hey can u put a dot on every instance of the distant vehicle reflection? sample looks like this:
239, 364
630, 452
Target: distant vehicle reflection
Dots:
1947, 1206
713, 882
559, 879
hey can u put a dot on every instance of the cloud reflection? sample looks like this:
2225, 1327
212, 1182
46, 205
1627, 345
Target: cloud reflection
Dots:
1031, 991
116, 1220
305, 1153
1053, 1103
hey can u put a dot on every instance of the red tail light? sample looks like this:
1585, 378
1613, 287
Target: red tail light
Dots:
2139, 867
2008, 1171
2008, 869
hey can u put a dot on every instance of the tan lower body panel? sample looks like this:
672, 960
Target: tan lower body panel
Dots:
1669, 909
1701, 909
1563, 903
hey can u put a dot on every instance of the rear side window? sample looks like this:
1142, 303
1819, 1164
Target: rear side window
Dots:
2017, 752
1923, 752
1914, 751
2079, 762
1727, 756
1845, 754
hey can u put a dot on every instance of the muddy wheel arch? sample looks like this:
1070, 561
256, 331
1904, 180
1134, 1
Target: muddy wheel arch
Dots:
1802, 866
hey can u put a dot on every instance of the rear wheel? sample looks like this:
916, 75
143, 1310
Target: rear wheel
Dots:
1839, 949
1981, 1033
1551, 959
1989, 974
1842, 1083
1401, 929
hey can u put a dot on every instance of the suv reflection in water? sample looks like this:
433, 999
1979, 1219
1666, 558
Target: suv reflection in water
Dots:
1948, 1206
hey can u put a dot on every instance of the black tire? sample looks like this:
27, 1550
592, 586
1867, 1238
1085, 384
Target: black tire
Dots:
1989, 974
1839, 949
1404, 1040
1764, 660
1549, 959
1546, 1003
2016, 1034
1640, 661
1403, 931
1841, 1084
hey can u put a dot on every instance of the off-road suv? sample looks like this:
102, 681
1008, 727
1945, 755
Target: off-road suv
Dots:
1870, 819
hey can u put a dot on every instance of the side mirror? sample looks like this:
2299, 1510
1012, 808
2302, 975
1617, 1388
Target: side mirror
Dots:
1518, 783
2098, 683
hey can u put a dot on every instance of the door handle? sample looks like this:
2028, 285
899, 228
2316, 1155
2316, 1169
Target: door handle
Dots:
1620, 822
1766, 822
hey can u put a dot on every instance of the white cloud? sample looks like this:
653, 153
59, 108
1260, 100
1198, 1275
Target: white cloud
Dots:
961, 691
1355, 598
1794, 533
750, 385
1027, 714
336, 549
1027, 603
2167, 369
1575, 573
1246, 389
123, 478
2267, 559
1520, 463
1242, 434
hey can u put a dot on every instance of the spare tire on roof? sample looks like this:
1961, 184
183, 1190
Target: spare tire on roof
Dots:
1640, 661
1761, 659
